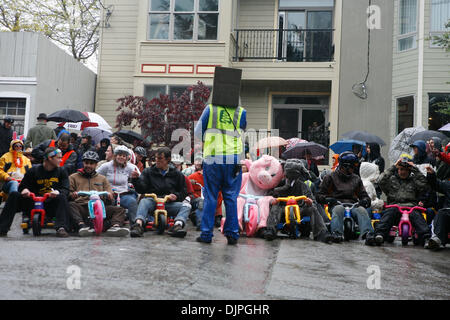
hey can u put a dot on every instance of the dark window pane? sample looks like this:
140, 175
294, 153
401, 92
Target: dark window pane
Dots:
160, 5
405, 113
438, 110
178, 90
151, 92
209, 5
184, 5
207, 26
183, 27
159, 26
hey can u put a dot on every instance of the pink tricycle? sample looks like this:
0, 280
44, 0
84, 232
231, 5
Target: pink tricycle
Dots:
405, 229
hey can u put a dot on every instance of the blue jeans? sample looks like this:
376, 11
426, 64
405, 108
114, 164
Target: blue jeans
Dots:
220, 177
362, 218
128, 201
174, 209
11, 186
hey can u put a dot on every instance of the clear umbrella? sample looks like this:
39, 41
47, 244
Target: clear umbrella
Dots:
401, 143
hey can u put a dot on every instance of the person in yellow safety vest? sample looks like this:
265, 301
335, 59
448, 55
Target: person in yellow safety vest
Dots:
221, 129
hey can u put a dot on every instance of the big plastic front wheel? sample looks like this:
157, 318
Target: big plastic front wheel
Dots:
252, 224
348, 229
405, 234
36, 225
162, 223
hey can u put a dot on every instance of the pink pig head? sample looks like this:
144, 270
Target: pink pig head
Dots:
266, 172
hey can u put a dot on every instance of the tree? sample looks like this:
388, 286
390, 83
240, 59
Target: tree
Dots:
74, 24
161, 116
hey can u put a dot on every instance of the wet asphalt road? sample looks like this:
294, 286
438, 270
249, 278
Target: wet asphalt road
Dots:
161, 267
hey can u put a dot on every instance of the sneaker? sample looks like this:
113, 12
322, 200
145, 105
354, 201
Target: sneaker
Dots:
86, 232
379, 239
200, 239
62, 233
370, 239
137, 231
337, 238
177, 231
434, 243
269, 235
325, 237
231, 241
117, 232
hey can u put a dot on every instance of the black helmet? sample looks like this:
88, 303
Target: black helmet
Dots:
140, 151
9, 119
91, 155
348, 159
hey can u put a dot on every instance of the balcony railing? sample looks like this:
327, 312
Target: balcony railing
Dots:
298, 45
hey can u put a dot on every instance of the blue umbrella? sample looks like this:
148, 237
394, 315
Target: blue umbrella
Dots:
345, 145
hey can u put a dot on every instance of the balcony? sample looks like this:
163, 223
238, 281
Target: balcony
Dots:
287, 45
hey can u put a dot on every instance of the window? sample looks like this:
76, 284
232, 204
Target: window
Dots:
440, 16
306, 3
405, 113
407, 25
15, 108
183, 19
153, 91
438, 110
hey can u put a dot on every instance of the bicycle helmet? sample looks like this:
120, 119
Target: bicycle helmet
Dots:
348, 159
177, 159
122, 149
140, 151
91, 155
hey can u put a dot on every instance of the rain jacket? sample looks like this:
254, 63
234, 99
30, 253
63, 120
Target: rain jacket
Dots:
14, 165
80, 181
153, 181
369, 174
342, 188
39, 134
406, 192
442, 186
422, 156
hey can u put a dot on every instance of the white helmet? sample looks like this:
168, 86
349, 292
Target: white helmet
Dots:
177, 159
121, 149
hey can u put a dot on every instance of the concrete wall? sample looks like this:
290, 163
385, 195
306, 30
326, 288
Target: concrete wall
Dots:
372, 114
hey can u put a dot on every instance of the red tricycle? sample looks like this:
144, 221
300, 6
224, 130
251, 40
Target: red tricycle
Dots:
404, 229
38, 219
161, 221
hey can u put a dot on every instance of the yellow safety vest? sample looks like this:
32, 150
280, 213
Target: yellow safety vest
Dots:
223, 135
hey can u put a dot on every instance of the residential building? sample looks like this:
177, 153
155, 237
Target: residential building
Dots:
301, 59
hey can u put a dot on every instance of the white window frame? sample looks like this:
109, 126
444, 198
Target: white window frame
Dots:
434, 33
410, 34
172, 13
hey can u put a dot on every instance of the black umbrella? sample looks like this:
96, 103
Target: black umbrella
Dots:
298, 151
427, 135
363, 136
129, 136
67, 115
